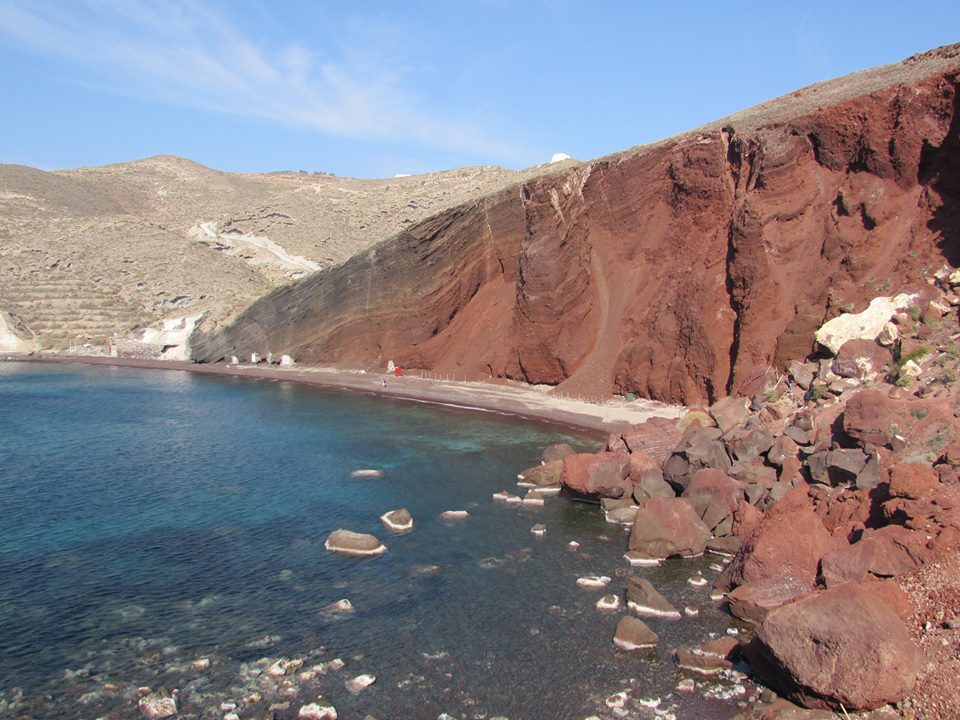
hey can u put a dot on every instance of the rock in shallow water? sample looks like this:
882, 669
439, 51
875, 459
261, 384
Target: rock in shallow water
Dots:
316, 711
398, 520
158, 705
354, 544
633, 634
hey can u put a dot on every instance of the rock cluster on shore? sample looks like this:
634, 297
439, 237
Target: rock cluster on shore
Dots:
831, 488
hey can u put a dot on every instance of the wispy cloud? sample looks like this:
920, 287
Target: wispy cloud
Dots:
187, 54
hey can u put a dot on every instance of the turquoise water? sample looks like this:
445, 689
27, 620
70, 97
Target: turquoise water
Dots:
154, 518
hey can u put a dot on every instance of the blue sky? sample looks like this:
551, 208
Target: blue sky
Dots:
371, 89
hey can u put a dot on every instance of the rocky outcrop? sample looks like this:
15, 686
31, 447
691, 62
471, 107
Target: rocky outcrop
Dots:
840, 648
680, 271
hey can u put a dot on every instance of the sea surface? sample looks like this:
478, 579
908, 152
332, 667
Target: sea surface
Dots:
163, 531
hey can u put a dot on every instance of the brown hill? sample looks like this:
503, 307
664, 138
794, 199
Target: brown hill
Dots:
680, 271
93, 251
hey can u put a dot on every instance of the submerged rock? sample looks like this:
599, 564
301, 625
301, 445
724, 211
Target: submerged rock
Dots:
158, 705
454, 515
316, 711
367, 473
359, 683
346, 542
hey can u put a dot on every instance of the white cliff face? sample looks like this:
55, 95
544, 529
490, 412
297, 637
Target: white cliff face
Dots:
255, 249
13, 337
174, 335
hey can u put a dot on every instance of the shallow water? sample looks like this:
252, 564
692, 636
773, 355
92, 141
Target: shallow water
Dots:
153, 518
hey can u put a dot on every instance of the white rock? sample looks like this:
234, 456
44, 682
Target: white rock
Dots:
316, 711
255, 358
286, 361
866, 325
691, 611
234, 360
573, 545
608, 603
367, 473
617, 700
593, 581
339, 607
638, 560
911, 369
156, 706
360, 683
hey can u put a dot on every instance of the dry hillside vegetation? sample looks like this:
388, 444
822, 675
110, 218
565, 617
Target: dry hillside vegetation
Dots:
95, 251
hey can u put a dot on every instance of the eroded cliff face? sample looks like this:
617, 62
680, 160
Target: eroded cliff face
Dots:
681, 271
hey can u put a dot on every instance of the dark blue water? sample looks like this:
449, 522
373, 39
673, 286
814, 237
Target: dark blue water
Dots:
152, 518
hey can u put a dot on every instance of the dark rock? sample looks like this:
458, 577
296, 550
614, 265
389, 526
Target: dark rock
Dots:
861, 359
713, 495
843, 466
668, 527
782, 448
747, 444
869, 477
797, 434
802, 373
702, 449
840, 648
651, 484
753, 600
676, 471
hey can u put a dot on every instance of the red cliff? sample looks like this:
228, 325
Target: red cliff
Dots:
679, 271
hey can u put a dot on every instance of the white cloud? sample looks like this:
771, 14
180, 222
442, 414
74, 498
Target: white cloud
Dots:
183, 53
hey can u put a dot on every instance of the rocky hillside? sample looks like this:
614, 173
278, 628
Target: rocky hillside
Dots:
834, 495
680, 271
93, 251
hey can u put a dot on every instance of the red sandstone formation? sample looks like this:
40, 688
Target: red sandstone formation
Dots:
680, 271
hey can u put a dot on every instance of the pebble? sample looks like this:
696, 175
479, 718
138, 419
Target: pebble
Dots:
691, 611
649, 702
697, 580
200, 664
539, 529
316, 711
686, 685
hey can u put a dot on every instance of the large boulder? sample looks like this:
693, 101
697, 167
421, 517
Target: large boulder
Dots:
866, 325
748, 443
657, 437
790, 540
714, 496
603, 474
840, 648
650, 484
668, 527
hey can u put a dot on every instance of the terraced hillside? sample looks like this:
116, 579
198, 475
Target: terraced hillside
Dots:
90, 252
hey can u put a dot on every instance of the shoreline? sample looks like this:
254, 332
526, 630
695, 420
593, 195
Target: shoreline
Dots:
515, 400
